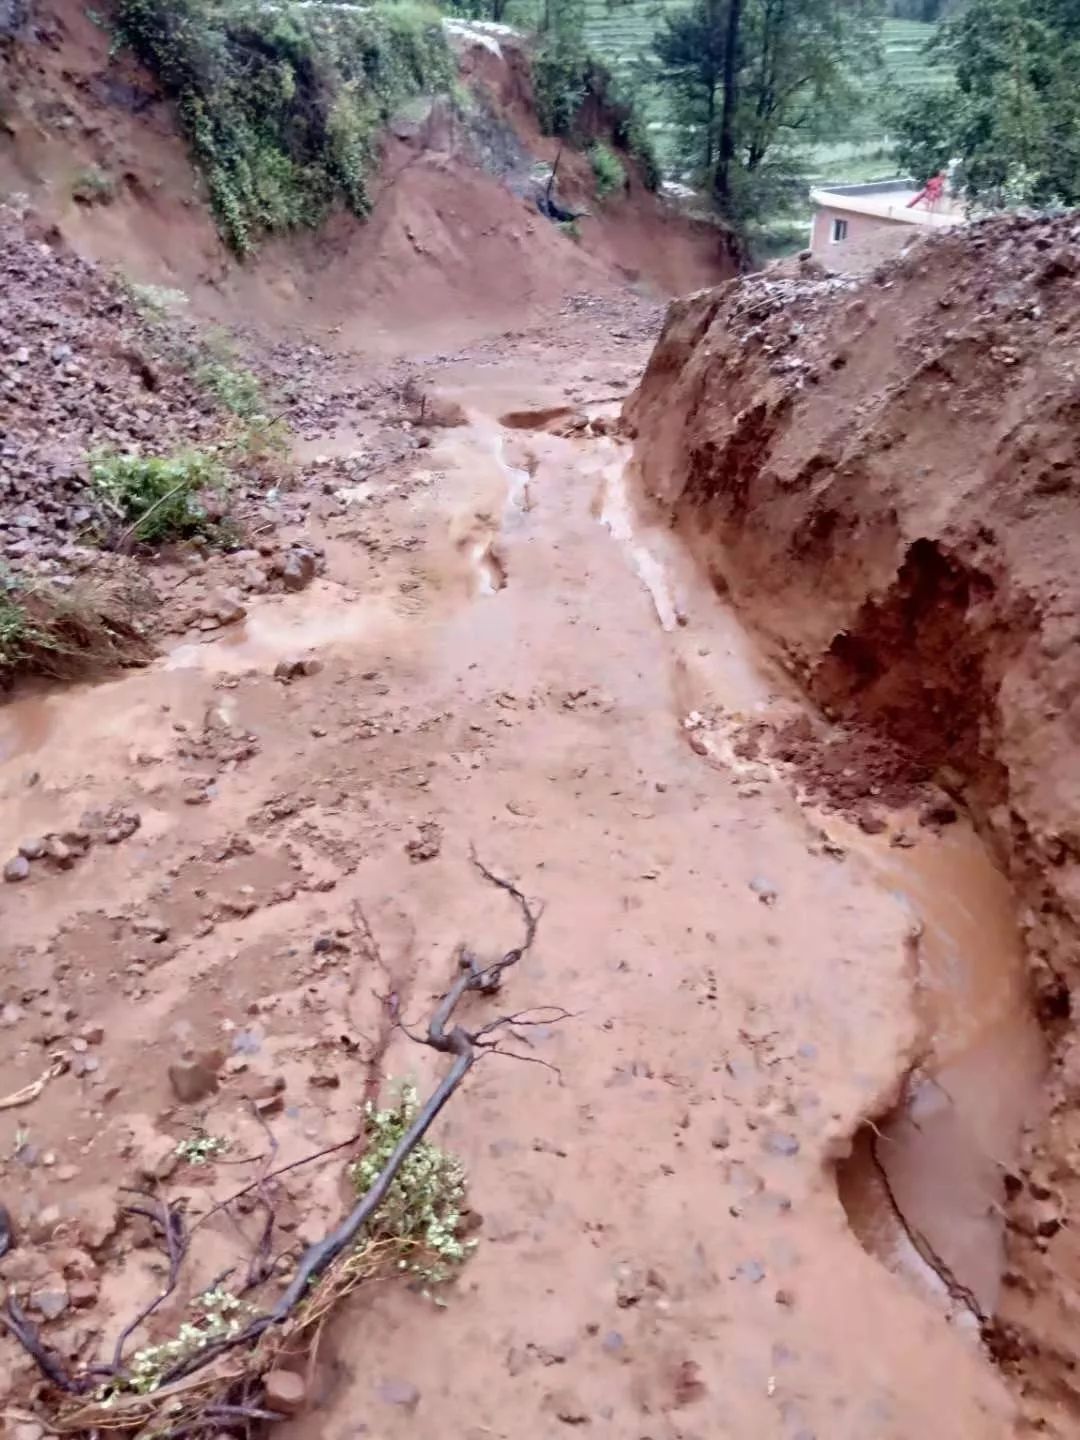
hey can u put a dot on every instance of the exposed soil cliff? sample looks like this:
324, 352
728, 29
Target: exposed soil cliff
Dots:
883, 474
454, 245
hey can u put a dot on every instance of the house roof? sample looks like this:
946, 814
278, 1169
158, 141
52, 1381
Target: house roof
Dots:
888, 200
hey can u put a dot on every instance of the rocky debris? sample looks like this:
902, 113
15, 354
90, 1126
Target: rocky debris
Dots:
398, 1392
291, 667
194, 1077
298, 569
284, 1391
764, 890
778, 1142
50, 1299
566, 1405
720, 1134
427, 844
225, 608
111, 826
73, 379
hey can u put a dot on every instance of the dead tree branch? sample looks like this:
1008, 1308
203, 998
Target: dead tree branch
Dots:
233, 1391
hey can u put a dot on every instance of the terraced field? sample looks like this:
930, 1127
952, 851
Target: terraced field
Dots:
621, 32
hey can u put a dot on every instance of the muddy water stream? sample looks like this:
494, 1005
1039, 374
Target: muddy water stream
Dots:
939, 1158
924, 1188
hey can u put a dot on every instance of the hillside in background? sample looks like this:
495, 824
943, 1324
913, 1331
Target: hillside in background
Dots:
621, 33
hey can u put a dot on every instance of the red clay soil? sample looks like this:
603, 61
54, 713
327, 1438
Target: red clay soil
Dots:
454, 246
882, 472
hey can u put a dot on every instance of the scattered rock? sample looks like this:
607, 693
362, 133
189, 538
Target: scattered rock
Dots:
82, 1294
285, 1391
298, 570
59, 852
777, 1142
16, 869
399, 1392
689, 1386
870, 824
630, 1283
32, 849
427, 844
765, 892
290, 667
50, 1299
937, 813
226, 608
568, 1407
192, 1079
720, 1135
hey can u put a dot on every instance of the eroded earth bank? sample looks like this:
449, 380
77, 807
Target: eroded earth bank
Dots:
881, 476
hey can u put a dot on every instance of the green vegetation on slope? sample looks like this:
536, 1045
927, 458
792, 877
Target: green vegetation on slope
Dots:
282, 103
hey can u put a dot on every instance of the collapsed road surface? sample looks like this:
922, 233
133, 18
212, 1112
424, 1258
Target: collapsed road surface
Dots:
498, 654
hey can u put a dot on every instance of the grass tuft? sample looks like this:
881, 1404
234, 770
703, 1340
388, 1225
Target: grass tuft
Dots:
67, 633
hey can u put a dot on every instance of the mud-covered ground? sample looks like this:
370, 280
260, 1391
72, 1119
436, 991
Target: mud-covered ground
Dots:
494, 653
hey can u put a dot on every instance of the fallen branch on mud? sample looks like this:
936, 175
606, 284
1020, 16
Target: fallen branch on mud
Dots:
221, 1378
959, 1292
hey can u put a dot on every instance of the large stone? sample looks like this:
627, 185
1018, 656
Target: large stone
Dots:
298, 570
16, 869
285, 1391
192, 1079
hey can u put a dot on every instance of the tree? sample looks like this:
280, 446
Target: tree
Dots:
1011, 122
691, 47
755, 80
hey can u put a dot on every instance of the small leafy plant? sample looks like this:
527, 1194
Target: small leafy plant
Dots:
201, 1149
607, 169
219, 1316
160, 497
423, 1210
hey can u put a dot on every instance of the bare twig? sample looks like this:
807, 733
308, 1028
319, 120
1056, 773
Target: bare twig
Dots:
192, 1395
50, 1365
176, 1244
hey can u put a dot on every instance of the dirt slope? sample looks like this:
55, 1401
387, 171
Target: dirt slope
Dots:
453, 248
882, 473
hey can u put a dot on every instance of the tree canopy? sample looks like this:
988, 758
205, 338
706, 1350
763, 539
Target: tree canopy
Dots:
755, 80
1011, 123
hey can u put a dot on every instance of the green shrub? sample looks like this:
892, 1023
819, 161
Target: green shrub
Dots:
282, 106
607, 170
235, 388
159, 498
93, 187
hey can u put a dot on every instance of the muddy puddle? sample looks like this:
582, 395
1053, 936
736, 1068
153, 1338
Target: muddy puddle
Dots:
924, 1188
940, 1157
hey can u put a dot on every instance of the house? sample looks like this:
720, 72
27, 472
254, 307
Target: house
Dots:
850, 220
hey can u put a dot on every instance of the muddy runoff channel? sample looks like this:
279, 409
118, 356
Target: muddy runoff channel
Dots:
536, 567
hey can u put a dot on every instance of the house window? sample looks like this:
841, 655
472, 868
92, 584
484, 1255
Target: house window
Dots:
839, 230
